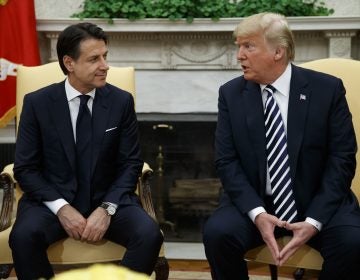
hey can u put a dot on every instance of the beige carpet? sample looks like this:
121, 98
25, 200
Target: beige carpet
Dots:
194, 275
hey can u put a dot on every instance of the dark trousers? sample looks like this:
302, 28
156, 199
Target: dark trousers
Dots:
36, 227
228, 235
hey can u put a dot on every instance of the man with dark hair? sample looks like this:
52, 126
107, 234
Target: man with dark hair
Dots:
285, 154
78, 161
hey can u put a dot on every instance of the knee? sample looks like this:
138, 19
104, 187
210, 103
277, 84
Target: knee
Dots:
214, 235
13, 237
351, 246
347, 245
18, 238
154, 236
21, 236
149, 234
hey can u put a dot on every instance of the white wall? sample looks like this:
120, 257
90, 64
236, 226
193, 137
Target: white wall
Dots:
46, 9
344, 7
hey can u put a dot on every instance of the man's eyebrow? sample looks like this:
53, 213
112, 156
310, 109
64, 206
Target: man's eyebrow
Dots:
93, 56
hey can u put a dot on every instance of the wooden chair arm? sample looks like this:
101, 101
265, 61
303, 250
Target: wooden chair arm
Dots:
7, 185
8, 170
144, 190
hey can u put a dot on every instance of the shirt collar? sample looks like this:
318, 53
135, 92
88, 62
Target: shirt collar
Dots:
71, 92
282, 84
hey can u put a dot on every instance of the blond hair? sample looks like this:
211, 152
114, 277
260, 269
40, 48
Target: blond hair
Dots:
274, 28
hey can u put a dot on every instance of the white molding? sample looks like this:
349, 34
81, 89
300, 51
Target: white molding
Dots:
199, 24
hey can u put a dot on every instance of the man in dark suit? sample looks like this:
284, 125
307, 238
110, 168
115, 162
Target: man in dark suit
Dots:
79, 174
285, 154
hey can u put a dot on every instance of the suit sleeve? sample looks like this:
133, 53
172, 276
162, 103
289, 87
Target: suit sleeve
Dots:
228, 162
341, 162
128, 161
28, 156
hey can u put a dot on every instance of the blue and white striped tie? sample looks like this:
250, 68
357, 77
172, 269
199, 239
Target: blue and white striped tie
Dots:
278, 160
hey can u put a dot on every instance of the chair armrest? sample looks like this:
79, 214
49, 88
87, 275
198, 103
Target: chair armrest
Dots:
7, 185
8, 170
145, 190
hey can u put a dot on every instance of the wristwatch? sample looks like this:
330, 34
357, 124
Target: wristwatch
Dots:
109, 207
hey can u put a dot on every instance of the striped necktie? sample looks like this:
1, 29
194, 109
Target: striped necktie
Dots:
278, 160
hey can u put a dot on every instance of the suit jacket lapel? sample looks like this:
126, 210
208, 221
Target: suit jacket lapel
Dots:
255, 124
60, 113
299, 99
100, 115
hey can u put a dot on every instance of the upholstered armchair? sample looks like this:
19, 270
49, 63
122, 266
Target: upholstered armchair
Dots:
68, 251
307, 258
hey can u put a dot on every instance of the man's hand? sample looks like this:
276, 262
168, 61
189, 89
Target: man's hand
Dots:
266, 224
302, 232
96, 226
72, 221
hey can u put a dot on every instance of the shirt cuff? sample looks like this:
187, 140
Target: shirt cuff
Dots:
314, 223
55, 205
255, 212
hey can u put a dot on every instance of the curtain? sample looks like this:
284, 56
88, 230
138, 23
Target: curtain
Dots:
18, 46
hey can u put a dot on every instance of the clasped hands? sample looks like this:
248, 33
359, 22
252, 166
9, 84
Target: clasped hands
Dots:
302, 232
91, 229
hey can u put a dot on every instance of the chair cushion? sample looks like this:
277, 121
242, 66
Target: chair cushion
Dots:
305, 257
5, 252
70, 251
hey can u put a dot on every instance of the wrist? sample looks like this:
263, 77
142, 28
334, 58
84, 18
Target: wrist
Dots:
110, 208
254, 213
316, 224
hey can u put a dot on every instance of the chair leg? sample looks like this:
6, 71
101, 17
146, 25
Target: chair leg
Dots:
273, 272
5, 270
161, 269
299, 273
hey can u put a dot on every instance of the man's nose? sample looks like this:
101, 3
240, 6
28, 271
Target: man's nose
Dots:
241, 54
104, 64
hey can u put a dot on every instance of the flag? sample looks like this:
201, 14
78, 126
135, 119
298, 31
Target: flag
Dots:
18, 46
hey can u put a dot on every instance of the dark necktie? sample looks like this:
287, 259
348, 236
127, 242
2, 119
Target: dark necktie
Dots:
278, 160
83, 155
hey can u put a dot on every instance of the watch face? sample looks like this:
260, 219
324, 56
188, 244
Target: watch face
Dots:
111, 210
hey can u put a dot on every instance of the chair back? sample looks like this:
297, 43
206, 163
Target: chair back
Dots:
348, 71
31, 78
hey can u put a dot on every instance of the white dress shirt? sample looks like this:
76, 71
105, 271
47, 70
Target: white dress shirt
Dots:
282, 86
74, 103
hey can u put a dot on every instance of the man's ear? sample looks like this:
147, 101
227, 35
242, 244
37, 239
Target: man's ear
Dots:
69, 63
279, 53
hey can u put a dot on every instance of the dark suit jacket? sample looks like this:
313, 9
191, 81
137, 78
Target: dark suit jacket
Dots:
45, 148
321, 146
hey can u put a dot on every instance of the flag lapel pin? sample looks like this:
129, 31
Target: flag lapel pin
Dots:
302, 97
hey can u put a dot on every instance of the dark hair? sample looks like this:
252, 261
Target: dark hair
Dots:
70, 38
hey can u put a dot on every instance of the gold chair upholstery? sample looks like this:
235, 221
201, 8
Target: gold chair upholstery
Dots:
306, 257
68, 251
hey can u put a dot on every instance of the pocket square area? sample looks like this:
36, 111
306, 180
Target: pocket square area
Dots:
109, 129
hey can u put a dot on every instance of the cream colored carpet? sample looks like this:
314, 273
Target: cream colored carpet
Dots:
194, 275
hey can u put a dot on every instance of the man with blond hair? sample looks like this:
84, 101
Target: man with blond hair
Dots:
285, 154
